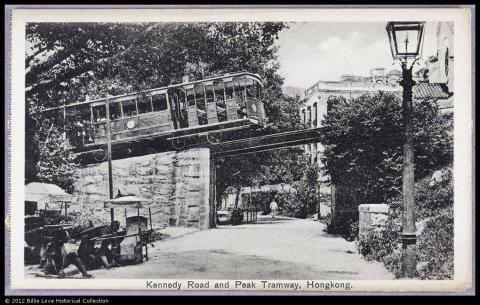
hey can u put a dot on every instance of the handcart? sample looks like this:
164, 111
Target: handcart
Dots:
128, 246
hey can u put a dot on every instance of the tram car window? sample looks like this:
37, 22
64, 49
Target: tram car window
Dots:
115, 111
212, 116
129, 108
209, 93
239, 92
99, 113
190, 97
144, 104
78, 129
182, 99
159, 102
201, 107
191, 108
229, 90
251, 88
220, 100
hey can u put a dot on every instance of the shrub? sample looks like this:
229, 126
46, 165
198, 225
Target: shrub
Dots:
428, 199
236, 218
379, 242
393, 262
346, 224
435, 247
352, 232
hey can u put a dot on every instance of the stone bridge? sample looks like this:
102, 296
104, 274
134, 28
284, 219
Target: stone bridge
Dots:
181, 184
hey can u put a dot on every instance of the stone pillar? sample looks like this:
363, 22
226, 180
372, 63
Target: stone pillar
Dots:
178, 183
371, 216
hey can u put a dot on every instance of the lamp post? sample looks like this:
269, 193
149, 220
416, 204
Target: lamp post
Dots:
406, 40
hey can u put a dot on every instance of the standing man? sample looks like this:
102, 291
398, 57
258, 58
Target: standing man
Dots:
274, 206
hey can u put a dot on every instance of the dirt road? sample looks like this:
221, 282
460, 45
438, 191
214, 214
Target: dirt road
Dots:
279, 249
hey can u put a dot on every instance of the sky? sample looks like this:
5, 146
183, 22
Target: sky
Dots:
313, 51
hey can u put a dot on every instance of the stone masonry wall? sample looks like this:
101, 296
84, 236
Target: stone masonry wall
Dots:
176, 182
371, 216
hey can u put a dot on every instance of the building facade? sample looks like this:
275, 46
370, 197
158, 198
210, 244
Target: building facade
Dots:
441, 66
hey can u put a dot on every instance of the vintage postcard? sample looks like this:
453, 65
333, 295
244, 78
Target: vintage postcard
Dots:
240, 150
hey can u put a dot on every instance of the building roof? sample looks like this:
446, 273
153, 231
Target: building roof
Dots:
431, 91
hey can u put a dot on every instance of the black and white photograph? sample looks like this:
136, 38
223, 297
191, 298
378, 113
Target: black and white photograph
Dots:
261, 150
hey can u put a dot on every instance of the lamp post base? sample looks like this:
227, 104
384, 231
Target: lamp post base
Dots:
409, 255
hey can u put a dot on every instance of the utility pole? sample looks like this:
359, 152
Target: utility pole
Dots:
109, 147
109, 160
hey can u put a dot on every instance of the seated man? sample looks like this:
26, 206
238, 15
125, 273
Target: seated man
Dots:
58, 258
106, 256
87, 253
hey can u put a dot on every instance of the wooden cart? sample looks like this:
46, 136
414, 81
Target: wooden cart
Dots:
132, 246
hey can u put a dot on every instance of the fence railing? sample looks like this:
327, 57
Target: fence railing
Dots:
249, 214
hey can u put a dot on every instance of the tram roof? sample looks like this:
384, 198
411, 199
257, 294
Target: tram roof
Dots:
229, 75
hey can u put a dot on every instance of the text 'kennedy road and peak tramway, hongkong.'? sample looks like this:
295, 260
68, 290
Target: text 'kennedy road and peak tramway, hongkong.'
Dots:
261, 284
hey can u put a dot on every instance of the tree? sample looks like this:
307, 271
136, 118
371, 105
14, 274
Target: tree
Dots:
65, 62
363, 143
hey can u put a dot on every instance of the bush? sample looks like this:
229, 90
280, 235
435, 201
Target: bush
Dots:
393, 262
428, 199
261, 200
352, 231
236, 218
379, 242
435, 248
346, 225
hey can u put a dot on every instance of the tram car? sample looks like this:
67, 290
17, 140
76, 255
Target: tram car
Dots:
167, 115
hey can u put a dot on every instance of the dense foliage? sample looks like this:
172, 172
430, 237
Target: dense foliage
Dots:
363, 143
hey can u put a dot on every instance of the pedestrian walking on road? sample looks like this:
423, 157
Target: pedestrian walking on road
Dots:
274, 207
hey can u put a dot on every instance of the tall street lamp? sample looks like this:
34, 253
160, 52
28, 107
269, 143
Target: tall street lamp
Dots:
406, 41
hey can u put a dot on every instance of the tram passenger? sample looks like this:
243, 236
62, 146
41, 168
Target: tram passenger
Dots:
88, 131
79, 132
100, 117
244, 112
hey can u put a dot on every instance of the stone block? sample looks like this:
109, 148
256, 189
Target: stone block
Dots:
371, 216
373, 208
93, 189
162, 170
145, 170
121, 172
